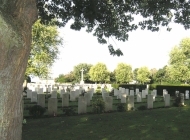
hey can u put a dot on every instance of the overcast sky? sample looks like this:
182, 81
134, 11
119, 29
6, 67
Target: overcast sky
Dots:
143, 48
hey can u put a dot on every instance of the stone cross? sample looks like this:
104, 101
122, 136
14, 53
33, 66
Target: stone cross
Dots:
82, 74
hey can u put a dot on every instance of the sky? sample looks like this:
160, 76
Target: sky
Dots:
143, 48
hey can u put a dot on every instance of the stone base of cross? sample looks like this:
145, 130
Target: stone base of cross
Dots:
81, 82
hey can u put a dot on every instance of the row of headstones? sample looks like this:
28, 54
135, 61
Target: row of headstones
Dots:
49, 88
83, 102
122, 94
33, 95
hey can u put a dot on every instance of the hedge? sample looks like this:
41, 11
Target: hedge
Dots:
171, 89
129, 86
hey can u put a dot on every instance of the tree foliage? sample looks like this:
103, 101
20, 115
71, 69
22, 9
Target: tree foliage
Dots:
179, 63
44, 49
114, 18
77, 72
99, 73
112, 77
123, 73
69, 77
60, 79
143, 75
162, 75
135, 74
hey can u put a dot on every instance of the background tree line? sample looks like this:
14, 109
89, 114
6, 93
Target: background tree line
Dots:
177, 70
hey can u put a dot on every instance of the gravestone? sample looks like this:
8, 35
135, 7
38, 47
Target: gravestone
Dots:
182, 98
164, 92
41, 100
143, 94
119, 94
65, 99
150, 101
155, 92
130, 102
52, 106
104, 95
40, 91
146, 92
54, 94
136, 91
72, 96
34, 96
29, 93
108, 103
115, 92
87, 98
139, 99
167, 100
154, 95
132, 92
123, 98
62, 91
122, 90
127, 91
82, 105
187, 94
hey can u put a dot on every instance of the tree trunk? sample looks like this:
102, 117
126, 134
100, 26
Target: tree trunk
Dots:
16, 20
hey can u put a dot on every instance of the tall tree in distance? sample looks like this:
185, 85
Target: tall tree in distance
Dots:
135, 74
161, 75
44, 49
99, 73
143, 75
77, 72
179, 63
123, 73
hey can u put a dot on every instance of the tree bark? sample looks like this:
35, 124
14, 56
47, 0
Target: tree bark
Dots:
16, 20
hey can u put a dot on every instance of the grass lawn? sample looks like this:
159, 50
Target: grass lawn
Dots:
155, 124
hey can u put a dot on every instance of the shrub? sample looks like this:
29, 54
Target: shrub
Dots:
152, 86
116, 86
69, 111
142, 107
37, 111
98, 106
121, 107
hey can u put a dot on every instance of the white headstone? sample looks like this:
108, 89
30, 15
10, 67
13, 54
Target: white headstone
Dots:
108, 103
87, 98
143, 94
54, 94
123, 98
150, 101
139, 99
41, 100
187, 94
82, 105
52, 106
72, 96
167, 100
132, 92
29, 93
34, 96
65, 99
130, 102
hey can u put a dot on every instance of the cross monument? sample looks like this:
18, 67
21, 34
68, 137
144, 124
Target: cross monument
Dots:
82, 81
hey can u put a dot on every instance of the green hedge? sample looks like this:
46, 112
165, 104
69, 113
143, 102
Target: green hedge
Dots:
152, 86
116, 86
172, 88
132, 86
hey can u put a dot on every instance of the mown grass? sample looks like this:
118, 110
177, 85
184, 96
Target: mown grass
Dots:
156, 124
